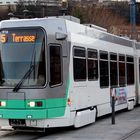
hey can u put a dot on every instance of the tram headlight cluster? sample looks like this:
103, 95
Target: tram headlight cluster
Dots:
31, 104
35, 104
3, 103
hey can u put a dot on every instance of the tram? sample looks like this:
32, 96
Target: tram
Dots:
55, 72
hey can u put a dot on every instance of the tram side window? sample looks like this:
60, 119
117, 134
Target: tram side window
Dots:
122, 75
130, 70
104, 74
55, 65
113, 70
79, 64
92, 64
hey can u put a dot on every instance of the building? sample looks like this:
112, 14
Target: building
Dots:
47, 7
14, 2
7, 6
7, 2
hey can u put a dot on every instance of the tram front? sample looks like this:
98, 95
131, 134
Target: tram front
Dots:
22, 67
26, 98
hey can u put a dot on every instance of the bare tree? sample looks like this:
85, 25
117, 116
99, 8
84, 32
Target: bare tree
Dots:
98, 14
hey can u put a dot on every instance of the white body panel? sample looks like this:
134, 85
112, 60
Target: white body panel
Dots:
88, 93
84, 117
138, 75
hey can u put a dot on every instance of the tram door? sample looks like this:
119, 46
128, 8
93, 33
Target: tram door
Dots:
58, 70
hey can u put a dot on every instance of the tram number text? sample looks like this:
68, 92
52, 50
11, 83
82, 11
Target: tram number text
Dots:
3, 38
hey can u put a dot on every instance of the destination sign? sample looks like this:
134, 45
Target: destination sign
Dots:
17, 38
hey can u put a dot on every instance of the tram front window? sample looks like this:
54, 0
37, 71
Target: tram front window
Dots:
22, 52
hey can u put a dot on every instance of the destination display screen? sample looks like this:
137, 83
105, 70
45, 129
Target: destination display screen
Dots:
18, 37
22, 50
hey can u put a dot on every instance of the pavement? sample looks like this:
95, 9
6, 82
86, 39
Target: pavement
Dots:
127, 124
127, 127
6, 131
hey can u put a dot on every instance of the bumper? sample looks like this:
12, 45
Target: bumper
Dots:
32, 114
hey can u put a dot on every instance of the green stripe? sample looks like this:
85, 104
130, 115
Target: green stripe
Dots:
35, 114
53, 103
20, 109
15, 104
23, 114
56, 112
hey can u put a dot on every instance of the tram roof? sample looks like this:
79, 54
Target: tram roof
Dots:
64, 25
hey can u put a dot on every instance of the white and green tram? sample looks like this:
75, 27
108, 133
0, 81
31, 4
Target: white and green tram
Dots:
55, 72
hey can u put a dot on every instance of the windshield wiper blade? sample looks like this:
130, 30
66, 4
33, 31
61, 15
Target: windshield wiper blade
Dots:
27, 74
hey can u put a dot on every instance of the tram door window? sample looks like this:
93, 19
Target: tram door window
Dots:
55, 64
104, 73
122, 75
79, 63
92, 64
130, 70
113, 70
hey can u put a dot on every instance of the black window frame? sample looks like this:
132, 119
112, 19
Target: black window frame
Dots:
122, 60
61, 60
104, 59
113, 60
82, 58
94, 58
130, 61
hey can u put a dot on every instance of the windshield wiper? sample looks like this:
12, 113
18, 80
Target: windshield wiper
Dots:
27, 74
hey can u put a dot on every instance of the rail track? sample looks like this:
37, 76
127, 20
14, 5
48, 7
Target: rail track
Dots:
16, 135
131, 134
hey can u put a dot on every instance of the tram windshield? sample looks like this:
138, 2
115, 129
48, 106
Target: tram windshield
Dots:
21, 50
